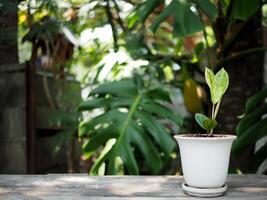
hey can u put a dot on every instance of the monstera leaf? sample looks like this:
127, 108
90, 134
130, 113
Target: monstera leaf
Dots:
252, 127
128, 126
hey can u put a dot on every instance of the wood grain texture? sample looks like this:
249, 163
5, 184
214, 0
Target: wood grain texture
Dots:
81, 186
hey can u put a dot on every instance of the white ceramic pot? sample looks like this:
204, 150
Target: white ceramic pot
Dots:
205, 160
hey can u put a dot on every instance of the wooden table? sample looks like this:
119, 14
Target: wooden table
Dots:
81, 186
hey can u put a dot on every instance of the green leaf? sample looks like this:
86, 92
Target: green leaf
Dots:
221, 85
100, 137
163, 112
242, 9
126, 154
205, 122
92, 104
87, 127
124, 88
105, 153
186, 21
218, 84
250, 119
250, 136
259, 157
208, 8
157, 131
120, 102
151, 155
252, 127
104, 102
210, 78
158, 92
254, 101
168, 11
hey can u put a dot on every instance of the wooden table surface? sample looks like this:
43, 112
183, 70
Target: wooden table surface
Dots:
82, 186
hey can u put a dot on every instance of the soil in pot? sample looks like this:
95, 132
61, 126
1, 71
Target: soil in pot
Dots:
199, 135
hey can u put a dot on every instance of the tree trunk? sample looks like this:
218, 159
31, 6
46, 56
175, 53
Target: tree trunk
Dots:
8, 32
246, 78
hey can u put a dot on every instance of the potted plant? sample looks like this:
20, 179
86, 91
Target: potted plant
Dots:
205, 157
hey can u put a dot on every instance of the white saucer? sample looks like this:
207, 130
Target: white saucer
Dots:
202, 192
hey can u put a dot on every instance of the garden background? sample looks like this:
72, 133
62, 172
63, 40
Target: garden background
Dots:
101, 86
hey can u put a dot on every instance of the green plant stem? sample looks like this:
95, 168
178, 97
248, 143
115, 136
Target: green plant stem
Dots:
211, 131
212, 111
212, 116
217, 109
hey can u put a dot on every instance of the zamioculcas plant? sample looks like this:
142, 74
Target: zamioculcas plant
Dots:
218, 84
205, 160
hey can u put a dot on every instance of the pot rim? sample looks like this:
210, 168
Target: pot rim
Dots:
225, 137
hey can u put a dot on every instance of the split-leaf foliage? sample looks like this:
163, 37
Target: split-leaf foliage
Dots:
132, 116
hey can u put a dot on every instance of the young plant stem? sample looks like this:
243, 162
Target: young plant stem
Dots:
217, 109
212, 116
214, 112
211, 131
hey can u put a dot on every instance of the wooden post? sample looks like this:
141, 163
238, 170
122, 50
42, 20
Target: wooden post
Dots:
31, 105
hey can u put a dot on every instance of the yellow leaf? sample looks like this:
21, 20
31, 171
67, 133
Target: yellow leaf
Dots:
192, 99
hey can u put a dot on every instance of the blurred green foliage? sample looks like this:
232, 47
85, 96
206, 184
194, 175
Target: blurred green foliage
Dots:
252, 128
168, 43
